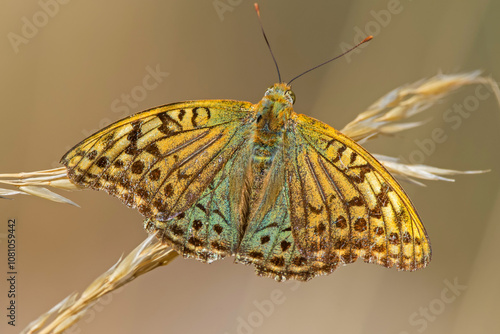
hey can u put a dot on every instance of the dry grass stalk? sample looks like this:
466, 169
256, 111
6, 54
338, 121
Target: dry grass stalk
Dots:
411, 172
35, 183
380, 118
149, 255
409, 100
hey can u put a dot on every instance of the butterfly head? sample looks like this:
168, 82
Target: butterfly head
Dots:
280, 93
275, 107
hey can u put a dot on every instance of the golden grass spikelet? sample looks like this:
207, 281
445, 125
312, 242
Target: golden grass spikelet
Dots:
411, 172
35, 183
409, 100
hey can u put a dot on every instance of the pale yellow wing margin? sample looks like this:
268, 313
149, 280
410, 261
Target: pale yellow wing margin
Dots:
161, 160
344, 204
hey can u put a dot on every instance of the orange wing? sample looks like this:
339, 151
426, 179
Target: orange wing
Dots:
344, 204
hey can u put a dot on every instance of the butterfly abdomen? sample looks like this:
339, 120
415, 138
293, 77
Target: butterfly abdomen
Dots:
265, 146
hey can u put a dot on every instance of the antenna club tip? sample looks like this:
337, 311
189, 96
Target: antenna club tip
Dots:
256, 6
367, 39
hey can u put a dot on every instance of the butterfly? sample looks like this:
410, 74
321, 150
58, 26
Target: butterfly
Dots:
276, 189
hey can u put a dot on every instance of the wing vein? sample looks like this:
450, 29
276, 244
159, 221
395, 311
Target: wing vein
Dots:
323, 198
348, 180
198, 151
159, 159
212, 159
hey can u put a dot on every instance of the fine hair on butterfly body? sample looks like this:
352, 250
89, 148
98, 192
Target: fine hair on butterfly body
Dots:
276, 189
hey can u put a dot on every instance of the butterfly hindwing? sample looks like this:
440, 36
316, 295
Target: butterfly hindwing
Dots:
268, 242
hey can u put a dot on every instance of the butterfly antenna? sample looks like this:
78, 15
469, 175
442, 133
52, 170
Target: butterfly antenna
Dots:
326, 62
256, 5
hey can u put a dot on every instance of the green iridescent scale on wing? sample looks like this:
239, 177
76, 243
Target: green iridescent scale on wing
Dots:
208, 230
268, 241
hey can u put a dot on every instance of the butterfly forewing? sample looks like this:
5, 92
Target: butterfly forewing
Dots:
161, 160
351, 204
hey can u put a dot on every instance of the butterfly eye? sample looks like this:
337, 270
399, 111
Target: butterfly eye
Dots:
269, 90
291, 95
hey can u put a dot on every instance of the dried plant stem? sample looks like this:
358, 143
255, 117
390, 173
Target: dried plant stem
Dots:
149, 255
34, 183
385, 115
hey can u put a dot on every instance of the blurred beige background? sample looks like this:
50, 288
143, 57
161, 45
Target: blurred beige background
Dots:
66, 81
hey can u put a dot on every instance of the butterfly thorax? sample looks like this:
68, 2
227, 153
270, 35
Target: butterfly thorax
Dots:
272, 112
